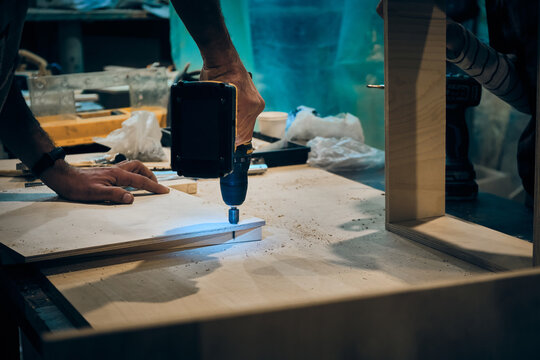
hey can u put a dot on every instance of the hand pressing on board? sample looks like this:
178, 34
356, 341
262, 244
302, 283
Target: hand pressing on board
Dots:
101, 184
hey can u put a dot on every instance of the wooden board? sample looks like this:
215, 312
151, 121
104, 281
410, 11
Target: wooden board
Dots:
485, 317
36, 225
82, 128
473, 243
415, 48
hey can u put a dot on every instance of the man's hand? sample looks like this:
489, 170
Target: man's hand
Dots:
250, 102
101, 184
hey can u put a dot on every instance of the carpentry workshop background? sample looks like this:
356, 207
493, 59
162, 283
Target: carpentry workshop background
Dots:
269, 179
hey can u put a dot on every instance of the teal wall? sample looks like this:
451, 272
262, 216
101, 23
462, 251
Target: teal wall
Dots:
318, 53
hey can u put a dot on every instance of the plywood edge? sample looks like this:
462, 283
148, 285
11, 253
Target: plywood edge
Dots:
185, 240
478, 245
234, 237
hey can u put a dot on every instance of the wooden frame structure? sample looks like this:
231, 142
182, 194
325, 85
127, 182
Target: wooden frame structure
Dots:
415, 53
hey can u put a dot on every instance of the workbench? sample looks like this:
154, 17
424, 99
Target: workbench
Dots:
326, 281
324, 240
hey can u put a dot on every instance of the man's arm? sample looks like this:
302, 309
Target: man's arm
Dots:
23, 135
204, 21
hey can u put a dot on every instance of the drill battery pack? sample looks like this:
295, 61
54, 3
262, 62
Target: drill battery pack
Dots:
203, 128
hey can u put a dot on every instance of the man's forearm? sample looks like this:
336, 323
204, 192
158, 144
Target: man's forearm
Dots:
20, 131
204, 21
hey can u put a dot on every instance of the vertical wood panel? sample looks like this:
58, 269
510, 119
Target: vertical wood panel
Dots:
415, 54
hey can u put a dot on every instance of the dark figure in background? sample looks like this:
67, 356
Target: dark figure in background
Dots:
22, 134
513, 29
507, 67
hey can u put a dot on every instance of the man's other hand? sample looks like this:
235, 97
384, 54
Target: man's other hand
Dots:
101, 184
250, 102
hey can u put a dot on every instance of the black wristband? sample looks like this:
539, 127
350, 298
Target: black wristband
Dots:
48, 160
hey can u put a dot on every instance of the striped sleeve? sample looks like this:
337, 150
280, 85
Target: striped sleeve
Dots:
493, 70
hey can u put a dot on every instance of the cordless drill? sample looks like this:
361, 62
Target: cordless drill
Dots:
203, 133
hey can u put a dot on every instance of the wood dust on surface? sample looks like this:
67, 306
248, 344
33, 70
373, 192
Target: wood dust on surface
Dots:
324, 239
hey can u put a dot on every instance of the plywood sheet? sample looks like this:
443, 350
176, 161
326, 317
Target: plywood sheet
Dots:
37, 225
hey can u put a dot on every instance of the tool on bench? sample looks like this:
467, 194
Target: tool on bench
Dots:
203, 133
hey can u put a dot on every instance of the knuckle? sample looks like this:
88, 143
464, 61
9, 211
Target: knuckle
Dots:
115, 171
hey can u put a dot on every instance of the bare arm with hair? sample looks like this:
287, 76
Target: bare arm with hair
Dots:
204, 21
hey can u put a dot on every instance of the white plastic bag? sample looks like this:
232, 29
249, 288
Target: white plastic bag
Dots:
139, 138
343, 154
307, 126
336, 142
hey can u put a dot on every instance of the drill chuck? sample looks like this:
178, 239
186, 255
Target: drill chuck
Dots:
234, 185
234, 215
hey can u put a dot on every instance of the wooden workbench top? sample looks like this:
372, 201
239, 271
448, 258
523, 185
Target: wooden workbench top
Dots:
324, 239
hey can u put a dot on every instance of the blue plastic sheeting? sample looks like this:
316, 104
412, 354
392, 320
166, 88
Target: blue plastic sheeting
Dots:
318, 53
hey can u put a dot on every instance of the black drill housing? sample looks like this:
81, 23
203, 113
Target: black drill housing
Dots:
203, 126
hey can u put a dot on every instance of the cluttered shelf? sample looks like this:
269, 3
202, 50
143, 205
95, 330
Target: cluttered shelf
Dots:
38, 14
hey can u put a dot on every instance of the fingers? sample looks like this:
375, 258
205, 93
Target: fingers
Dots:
102, 184
110, 193
126, 178
250, 102
135, 166
250, 105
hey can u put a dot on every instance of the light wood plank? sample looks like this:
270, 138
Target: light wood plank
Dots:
36, 225
415, 48
487, 317
473, 243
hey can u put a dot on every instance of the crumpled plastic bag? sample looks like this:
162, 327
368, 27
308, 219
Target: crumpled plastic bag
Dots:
307, 125
336, 142
343, 154
139, 138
